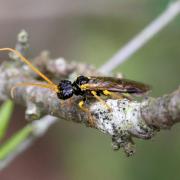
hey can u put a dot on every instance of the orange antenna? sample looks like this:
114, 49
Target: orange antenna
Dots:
48, 86
29, 64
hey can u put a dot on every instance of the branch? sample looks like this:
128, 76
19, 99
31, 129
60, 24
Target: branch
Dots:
128, 118
162, 112
142, 38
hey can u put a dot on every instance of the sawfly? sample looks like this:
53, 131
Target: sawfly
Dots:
85, 87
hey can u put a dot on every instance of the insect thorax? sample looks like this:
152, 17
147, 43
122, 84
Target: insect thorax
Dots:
77, 85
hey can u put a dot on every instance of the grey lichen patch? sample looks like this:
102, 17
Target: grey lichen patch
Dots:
32, 112
22, 45
122, 123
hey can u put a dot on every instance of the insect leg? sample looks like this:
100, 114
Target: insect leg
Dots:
81, 105
100, 100
90, 118
117, 96
113, 95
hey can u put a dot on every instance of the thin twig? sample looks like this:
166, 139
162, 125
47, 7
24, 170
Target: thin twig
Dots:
142, 38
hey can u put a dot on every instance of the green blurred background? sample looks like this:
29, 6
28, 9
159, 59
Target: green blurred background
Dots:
91, 32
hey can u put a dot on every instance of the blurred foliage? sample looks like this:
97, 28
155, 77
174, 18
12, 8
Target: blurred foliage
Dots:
5, 115
15, 141
12, 143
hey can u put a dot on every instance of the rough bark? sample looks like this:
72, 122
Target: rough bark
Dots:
126, 120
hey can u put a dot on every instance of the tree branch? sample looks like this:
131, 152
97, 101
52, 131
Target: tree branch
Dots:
128, 118
162, 112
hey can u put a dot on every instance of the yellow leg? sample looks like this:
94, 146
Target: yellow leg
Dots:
90, 121
81, 105
101, 100
113, 95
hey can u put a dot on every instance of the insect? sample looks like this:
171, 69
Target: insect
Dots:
85, 86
